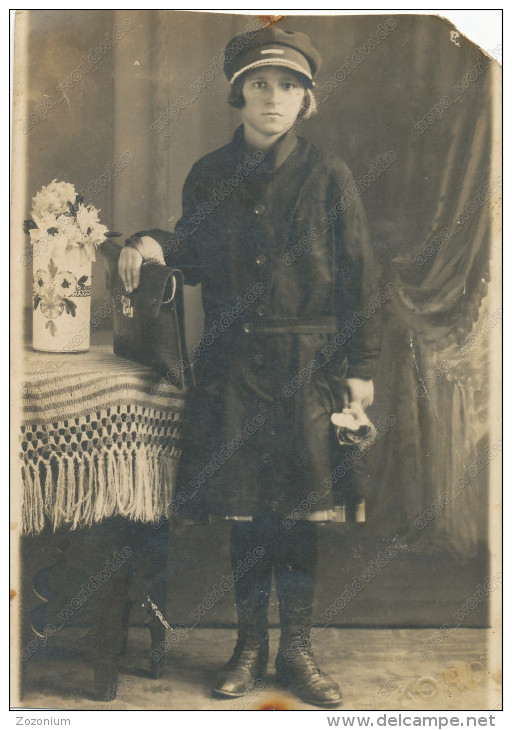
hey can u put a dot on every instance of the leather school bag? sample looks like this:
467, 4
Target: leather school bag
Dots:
148, 323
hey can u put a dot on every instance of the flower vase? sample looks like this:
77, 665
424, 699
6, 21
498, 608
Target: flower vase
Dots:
61, 304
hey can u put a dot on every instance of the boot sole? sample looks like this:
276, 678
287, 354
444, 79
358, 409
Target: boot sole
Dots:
223, 694
317, 703
228, 695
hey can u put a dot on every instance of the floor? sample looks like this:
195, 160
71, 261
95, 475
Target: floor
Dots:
378, 669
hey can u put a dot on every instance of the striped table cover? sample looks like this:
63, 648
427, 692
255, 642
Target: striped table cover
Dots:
100, 436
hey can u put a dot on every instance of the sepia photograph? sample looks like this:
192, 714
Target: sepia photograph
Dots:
256, 317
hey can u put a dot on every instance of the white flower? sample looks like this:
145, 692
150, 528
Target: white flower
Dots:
66, 239
47, 227
65, 283
63, 228
93, 232
43, 282
87, 218
52, 234
53, 199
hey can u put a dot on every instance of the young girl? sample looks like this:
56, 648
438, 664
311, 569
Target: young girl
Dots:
272, 230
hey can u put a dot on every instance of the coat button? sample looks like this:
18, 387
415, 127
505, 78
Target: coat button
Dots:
261, 310
259, 359
261, 259
247, 328
265, 457
259, 209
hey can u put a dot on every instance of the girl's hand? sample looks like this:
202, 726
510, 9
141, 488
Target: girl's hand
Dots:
352, 425
358, 391
130, 262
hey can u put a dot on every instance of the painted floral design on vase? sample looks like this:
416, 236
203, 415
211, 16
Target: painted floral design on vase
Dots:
62, 308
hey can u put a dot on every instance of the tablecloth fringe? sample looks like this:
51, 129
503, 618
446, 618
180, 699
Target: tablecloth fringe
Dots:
65, 491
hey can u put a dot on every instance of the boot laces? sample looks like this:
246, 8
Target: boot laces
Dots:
248, 650
310, 661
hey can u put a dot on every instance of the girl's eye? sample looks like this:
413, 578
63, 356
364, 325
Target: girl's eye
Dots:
289, 85
259, 84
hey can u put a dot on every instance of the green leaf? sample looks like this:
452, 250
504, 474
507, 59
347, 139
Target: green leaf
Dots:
73, 207
28, 225
70, 307
81, 281
52, 268
37, 299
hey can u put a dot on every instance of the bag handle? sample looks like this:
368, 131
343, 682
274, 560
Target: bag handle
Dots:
168, 301
177, 296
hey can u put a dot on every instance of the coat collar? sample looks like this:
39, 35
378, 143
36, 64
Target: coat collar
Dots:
275, 156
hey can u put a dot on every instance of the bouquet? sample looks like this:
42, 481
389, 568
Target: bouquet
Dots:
62, 226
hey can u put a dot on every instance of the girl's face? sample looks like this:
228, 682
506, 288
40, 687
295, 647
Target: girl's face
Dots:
273, 98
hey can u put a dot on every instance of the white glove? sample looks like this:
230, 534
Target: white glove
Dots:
352, 425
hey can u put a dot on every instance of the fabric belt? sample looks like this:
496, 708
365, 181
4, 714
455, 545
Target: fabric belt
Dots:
291, 326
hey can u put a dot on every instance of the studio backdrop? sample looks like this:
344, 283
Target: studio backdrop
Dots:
413, 108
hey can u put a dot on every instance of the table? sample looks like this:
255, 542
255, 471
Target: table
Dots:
99, 438
100, 448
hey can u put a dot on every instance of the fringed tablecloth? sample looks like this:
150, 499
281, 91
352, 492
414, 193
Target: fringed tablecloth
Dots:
100, 436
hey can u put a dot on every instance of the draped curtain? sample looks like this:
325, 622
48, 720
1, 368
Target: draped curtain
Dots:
430, 96
445, 315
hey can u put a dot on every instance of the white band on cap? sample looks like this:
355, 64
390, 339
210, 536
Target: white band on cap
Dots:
273, 62
272, 50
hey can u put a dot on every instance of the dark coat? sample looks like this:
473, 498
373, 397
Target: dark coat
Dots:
283, 272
